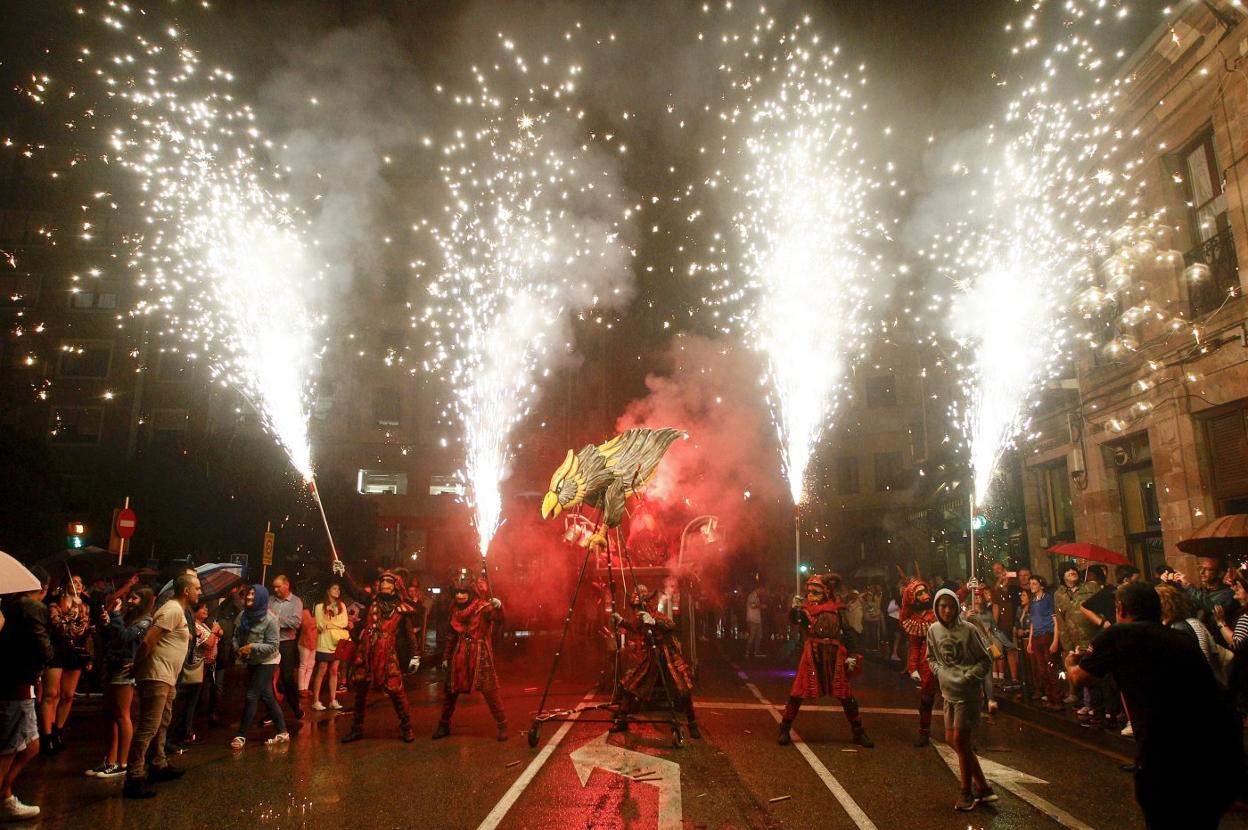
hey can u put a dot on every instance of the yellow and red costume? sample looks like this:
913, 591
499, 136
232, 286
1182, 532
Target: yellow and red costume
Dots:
384, 647
829, 660
916, 618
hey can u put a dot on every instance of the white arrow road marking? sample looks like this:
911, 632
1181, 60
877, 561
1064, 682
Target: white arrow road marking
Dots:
626, 762
526, 778
1016, 782
825, 775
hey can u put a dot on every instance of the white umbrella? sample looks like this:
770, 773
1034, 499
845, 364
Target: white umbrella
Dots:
14, 577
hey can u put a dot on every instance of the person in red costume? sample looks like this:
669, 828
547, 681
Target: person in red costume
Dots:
662, 665
469, 656
829, 658
384, 648
916, 618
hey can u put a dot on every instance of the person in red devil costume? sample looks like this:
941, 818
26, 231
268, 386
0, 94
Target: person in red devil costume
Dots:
829, 658
384, 648
468, 659
916, 618
660, 662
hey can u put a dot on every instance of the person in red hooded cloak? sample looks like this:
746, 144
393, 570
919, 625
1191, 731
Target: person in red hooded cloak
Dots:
829, 659
468, 659
384, 648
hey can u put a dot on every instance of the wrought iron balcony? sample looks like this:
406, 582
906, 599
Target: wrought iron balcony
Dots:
1208, 287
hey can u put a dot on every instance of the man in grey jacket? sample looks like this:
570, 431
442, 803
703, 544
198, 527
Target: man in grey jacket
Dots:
960, 660
289, 611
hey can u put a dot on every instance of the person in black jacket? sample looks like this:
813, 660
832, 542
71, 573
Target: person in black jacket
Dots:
27, 648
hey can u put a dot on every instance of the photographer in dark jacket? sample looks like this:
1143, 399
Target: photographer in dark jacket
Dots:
1187, 737
27, 648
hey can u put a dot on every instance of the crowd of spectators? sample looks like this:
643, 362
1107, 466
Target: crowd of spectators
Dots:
162, 668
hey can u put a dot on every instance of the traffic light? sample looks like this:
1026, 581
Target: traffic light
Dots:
76, 535
804, 568
978, 522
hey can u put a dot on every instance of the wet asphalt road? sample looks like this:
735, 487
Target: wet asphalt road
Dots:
735, 777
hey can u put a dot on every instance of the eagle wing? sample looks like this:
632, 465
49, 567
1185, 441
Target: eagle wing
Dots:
633, 456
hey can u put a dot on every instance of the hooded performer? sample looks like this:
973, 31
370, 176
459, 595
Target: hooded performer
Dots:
385, 647
916, 618
657, 667
469, 656
829, 658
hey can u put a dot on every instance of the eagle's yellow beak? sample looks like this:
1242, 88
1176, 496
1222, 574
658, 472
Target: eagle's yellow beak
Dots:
551, 506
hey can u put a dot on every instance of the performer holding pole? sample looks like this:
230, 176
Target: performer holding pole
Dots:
916, 618
384, 648
468, 659
829, 657
662, 667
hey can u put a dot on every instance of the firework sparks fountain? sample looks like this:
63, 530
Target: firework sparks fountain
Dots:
224, 265
528, 239
805, 226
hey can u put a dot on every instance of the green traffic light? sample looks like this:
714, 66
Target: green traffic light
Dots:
804, 568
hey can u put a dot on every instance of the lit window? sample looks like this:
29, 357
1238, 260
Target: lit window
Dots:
380, 482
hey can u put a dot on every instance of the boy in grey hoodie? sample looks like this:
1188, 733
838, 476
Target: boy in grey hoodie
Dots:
960, 661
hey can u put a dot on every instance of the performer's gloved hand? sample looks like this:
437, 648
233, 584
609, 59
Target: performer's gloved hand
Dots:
851, 663
339, 567
914, 675
413, 665
616, 618
496, 602
445, 665
797, 602
646, 618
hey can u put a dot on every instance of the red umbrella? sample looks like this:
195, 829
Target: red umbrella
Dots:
1090, 552
1222, 537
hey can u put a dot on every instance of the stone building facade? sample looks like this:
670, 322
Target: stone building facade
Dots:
1150, 440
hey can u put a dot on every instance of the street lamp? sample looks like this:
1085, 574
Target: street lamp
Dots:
708, 525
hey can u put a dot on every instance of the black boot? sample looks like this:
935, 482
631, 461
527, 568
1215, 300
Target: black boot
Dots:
785, 740
407, 734
137, 788
619, 725
502, 732
860, 738
442, 731
693, 730
924, 738
354, 735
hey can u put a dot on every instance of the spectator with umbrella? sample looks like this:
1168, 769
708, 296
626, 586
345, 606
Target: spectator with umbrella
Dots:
27, 647
69, 621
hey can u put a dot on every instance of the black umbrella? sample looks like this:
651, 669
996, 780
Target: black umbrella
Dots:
85, 562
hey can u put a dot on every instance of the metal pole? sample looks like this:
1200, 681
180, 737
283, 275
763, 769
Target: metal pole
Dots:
797, 548
121, 543
316, 495
971, 565
264, 566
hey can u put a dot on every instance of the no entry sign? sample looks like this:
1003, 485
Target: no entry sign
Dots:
125, 523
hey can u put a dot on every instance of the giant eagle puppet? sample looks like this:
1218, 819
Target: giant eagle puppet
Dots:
605, 476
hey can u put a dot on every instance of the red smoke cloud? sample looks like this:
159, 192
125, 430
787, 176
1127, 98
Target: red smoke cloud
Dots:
729, 467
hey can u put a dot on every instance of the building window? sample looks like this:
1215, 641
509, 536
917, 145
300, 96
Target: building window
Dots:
19, 290
1212, 271
174, 367
881, 391
1141, 512
85, 360
1227, 439
1057, 515
386, 407
380, 482
887, 471
847, 475
76, 425
167, 428
93, 299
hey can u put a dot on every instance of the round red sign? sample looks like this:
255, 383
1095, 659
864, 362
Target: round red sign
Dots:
125, 523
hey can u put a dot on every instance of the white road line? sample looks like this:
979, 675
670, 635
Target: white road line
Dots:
847, 802
1017, 782
869, 710
526, 778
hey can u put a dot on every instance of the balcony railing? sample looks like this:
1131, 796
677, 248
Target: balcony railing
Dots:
1208, 289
